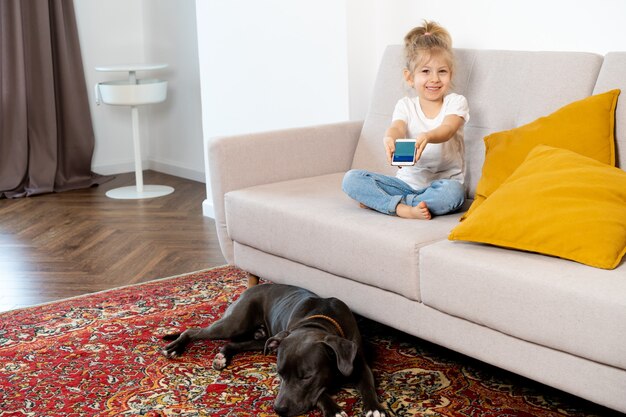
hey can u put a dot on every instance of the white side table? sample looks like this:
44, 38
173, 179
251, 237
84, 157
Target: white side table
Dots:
134, 92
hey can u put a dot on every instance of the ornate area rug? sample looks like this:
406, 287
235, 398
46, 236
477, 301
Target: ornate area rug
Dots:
99, 355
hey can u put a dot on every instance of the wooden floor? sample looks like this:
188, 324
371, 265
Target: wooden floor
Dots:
60, 245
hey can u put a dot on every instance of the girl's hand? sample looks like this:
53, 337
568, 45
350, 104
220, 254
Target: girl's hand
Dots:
420, 144
390, 147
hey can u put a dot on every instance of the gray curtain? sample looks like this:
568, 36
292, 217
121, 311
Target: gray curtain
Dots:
46, 135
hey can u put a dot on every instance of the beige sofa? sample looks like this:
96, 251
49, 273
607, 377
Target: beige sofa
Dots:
286, 219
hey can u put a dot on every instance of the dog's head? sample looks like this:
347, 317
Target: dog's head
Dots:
308, 363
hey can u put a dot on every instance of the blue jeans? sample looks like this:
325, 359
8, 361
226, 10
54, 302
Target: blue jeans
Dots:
383, 193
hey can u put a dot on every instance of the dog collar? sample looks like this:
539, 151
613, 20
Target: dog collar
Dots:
333, 321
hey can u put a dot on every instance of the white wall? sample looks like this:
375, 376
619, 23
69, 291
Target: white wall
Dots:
271, 64
145, 31
176, 125
554, 25
362, 33
110, 33
542, 25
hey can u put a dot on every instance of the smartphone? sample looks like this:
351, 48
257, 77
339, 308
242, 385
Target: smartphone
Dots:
404, 153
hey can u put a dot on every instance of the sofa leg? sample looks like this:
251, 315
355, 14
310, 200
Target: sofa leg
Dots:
252, 280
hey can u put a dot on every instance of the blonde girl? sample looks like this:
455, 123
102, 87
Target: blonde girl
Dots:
435, 117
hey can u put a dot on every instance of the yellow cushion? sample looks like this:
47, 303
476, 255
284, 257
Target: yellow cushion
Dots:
586, 126
556, 203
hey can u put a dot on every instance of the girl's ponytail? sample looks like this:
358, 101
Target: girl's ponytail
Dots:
423, 40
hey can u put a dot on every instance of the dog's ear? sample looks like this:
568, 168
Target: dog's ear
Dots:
272, 343
345, 351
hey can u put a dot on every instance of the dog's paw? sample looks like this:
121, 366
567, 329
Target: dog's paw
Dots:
169, 354
342, 414
375, 413
177, 347
174, 349
219, 362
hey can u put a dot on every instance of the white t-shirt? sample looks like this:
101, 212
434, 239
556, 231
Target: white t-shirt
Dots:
439, 160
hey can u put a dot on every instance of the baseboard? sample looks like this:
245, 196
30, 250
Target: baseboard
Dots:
208, 209
166, 168
113, 169
177, 171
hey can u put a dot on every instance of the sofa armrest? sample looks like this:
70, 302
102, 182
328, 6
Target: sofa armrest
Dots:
242, 161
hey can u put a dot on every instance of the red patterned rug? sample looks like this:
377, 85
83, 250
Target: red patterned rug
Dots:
99, 355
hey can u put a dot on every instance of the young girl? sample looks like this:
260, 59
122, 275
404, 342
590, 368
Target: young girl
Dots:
435, 118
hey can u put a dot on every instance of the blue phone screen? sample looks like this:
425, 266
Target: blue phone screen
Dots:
404, 152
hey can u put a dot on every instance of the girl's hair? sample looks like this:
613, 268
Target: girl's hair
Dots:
421, 42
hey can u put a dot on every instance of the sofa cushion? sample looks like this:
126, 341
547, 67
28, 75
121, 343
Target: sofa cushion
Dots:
311, 221
612, 76
585, 126
556, 203
544, 300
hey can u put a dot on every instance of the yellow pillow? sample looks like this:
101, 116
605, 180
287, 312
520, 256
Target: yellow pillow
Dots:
586, 127
556, 203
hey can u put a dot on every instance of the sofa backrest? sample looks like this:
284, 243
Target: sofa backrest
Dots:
505, 89
613, 75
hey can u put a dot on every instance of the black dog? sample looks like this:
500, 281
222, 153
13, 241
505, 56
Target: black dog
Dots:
317, 343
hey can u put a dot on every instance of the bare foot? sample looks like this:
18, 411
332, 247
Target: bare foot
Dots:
364, 206
418, 212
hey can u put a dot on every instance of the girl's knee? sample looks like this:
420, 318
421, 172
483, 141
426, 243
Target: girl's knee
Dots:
449, 186
457, 188
351, 177
452, 194
456, 193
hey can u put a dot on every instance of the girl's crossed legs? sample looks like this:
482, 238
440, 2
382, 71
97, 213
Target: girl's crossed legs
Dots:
389, 195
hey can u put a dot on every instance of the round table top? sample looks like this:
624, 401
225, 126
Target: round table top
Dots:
131, 67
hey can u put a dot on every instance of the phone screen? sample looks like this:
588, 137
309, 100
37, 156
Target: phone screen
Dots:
405, 152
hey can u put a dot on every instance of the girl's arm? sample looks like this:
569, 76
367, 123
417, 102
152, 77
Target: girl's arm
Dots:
397, 130
451, 123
